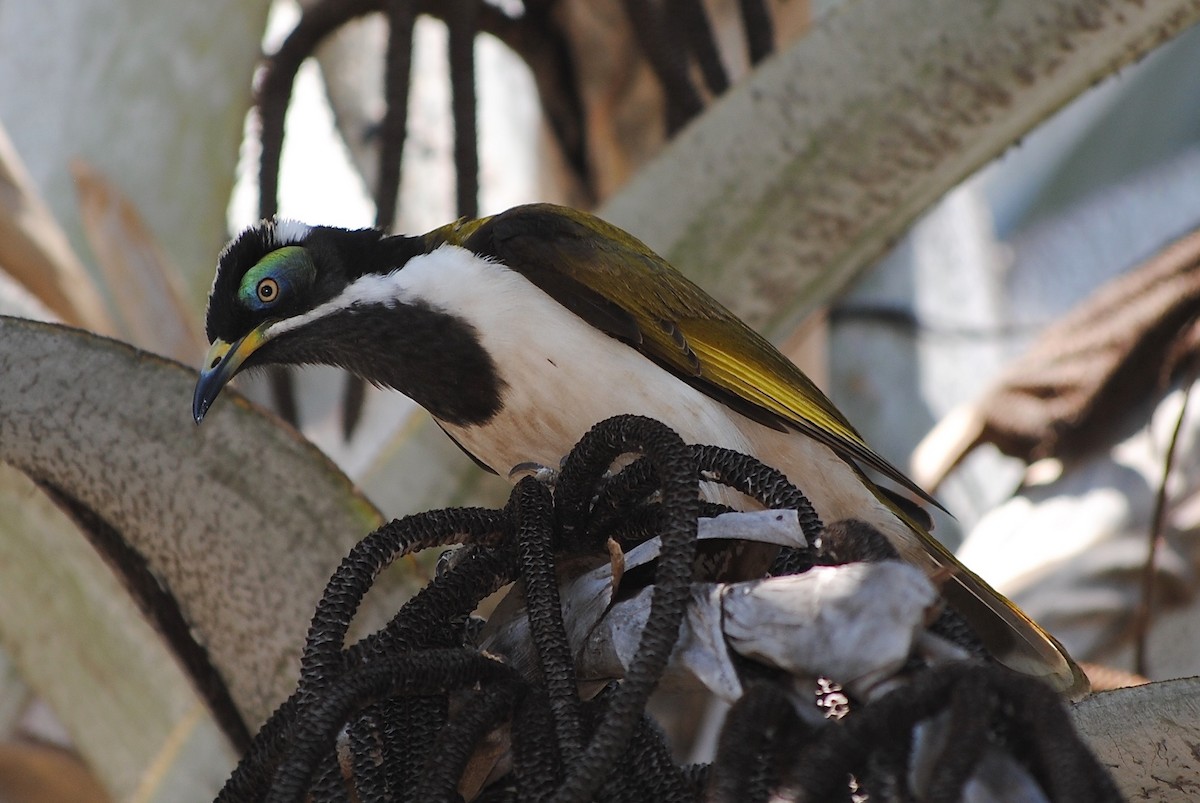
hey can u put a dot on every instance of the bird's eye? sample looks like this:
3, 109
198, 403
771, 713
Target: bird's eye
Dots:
267, 290
281, 277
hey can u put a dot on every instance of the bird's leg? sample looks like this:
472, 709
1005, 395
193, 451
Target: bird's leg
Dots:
542, 473
549, 476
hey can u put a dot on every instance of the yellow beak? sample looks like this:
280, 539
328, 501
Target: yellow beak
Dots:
220, 364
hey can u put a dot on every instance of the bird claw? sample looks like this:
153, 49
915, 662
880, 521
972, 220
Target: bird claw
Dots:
544, 474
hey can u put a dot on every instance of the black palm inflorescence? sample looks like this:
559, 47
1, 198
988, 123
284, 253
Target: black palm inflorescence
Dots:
417, 712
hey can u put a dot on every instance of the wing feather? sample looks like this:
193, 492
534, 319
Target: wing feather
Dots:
617, 284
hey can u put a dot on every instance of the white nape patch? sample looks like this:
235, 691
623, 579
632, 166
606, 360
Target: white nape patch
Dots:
378, 289
286, 231
433, 279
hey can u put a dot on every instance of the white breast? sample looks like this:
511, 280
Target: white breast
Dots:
563, 376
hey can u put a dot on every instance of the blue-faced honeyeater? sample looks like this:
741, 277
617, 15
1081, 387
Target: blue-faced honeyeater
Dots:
520, 331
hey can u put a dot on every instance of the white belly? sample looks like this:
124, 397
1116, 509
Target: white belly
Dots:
560, 387
545, 415
563, 376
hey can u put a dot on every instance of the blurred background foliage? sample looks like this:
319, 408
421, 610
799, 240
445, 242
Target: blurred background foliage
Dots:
864, 151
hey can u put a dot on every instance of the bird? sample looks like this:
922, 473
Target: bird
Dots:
519, 331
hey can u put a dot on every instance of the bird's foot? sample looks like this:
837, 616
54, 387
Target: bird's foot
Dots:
544, 474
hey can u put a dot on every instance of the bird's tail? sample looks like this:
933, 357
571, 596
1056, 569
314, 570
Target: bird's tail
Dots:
1010, 636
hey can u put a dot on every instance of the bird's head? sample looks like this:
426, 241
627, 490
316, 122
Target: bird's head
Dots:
288, 293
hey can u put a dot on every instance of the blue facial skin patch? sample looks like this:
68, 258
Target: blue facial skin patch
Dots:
290, 267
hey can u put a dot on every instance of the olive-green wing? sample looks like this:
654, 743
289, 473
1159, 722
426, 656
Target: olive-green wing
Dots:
617, 284
620, 286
